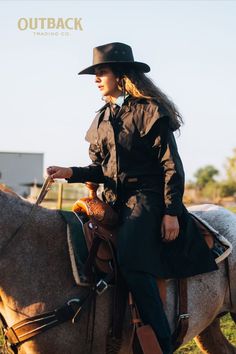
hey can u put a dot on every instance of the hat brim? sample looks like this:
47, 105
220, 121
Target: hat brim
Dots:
141, 67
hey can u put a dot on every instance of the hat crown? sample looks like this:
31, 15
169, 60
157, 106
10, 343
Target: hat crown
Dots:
112, 52
115, 53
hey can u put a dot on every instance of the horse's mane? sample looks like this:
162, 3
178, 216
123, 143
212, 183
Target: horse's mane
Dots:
10, 201
6, 189
44, 218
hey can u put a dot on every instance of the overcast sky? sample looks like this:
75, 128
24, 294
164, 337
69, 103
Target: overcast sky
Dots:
189, 45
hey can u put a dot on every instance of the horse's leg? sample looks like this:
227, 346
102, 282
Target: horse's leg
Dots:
212, 340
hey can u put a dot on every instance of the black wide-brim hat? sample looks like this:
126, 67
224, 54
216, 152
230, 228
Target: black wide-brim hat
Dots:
114, 53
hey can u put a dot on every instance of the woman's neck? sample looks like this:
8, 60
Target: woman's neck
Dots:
112, 98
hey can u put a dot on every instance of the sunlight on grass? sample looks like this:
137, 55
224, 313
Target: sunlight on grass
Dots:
228, 328
233, 209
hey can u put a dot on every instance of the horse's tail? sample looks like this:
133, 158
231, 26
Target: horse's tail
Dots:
233, 315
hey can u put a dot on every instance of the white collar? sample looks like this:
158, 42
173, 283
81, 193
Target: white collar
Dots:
120, 100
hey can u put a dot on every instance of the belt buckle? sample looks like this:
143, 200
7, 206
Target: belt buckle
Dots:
132, 179
184, 316
101, 287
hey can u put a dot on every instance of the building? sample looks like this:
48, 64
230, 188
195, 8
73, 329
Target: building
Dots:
18, 170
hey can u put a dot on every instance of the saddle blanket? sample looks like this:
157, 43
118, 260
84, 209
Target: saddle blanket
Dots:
78, 249
222, 247
77, 246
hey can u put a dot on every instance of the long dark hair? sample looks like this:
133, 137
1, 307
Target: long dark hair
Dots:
138, 85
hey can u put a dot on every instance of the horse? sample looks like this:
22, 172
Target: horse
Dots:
36, 277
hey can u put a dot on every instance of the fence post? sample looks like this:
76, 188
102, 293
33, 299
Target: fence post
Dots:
60, 196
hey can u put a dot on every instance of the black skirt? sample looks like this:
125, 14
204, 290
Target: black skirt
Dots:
140, 246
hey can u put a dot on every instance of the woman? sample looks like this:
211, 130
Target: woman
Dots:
134, 153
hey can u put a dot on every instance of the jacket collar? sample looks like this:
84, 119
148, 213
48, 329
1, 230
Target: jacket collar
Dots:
119, 101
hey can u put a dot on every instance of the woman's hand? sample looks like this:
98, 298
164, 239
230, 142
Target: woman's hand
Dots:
169, 228
59, 172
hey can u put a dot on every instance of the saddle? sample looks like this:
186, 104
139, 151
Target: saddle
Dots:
100, 229
100, 232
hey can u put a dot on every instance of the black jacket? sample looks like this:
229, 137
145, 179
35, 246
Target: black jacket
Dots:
138, 144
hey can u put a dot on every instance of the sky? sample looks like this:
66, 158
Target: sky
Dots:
189, 45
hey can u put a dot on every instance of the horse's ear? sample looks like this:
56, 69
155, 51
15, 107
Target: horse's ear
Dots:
4, 188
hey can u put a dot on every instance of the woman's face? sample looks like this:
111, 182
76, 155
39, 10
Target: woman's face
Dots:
106, 81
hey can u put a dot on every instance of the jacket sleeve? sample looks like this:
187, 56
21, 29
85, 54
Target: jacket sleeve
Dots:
92, 172
172, 166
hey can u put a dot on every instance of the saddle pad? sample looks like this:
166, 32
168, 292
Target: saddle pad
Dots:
220, 241
77, 246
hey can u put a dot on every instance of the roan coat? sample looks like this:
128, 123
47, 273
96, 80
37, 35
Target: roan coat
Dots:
134, 154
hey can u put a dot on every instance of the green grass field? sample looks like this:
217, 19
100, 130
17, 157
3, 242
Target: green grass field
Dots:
228, 328
233, 209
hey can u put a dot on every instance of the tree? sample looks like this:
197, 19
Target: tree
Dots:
205, 175
228, 187
230, 167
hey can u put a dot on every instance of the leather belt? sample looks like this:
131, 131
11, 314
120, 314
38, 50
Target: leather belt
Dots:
140, 182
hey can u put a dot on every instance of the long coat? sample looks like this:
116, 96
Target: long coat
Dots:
136, 157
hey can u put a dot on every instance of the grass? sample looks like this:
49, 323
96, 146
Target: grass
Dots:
233, 209
228, 328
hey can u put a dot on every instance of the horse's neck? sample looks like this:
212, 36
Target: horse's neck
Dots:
35, 264
13, 212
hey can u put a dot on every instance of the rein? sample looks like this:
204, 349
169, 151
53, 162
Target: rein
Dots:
45, 188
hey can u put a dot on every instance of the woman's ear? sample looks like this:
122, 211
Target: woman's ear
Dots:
120, 80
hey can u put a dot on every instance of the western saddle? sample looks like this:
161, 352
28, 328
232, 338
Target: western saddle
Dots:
100, 234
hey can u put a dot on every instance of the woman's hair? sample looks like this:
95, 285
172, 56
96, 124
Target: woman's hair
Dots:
138, 85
